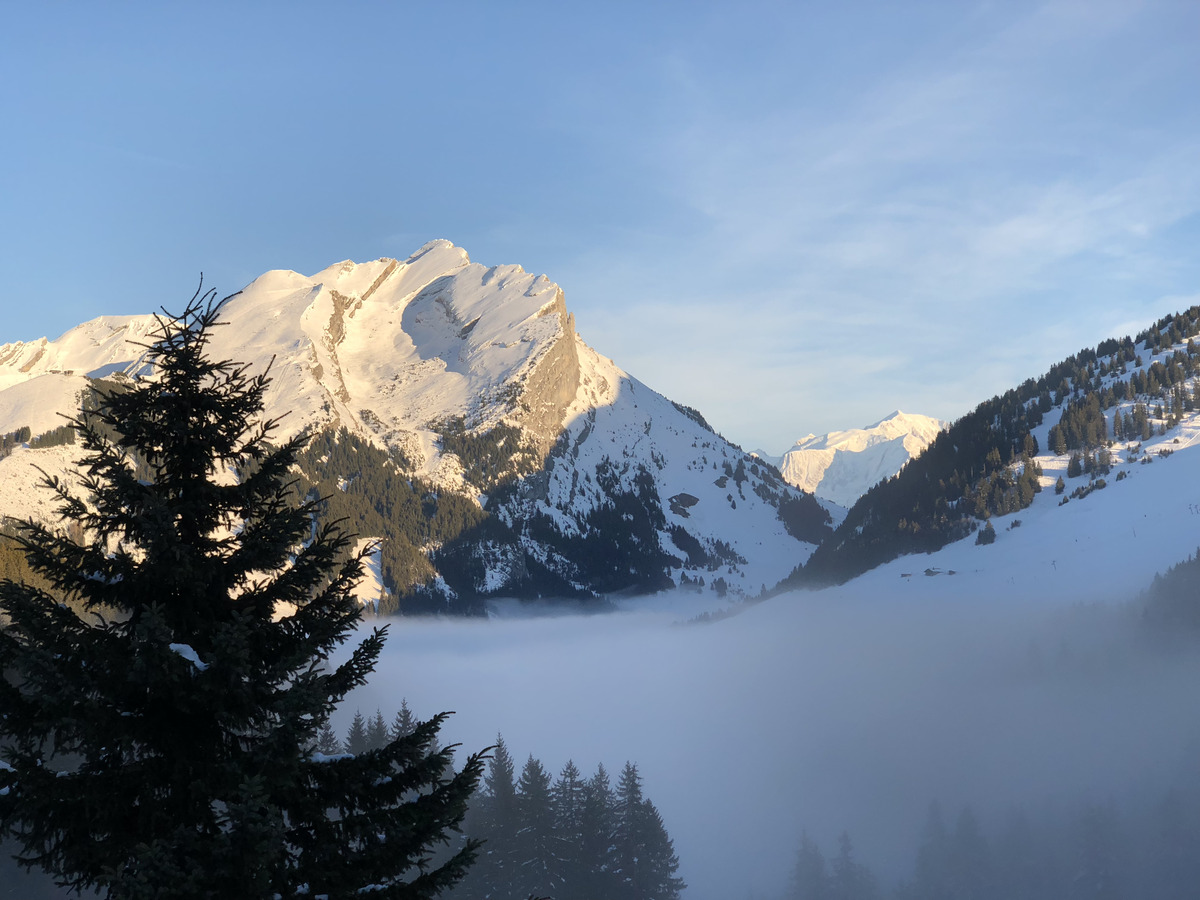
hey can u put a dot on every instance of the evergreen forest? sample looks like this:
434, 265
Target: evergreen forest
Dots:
566, 837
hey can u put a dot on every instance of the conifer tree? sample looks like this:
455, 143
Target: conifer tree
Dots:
810, 879
356, 737
327, 741
405, 722
494, 821
658, 860
625, 841
850, 879
163, 745
644, 861
987, 534
377, 731
1075, 466
534, 838
598, 825
568, 797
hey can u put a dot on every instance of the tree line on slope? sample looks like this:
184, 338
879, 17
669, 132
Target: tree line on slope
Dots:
55, 437
366, 734
983, 464
374, 492
1171, 605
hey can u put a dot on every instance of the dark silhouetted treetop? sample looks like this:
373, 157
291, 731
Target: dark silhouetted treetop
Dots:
162, 743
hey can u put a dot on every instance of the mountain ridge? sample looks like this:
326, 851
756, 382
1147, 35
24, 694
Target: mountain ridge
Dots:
509, 449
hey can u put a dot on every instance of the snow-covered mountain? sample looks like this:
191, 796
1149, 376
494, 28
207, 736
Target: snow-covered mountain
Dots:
843, 465
588, 479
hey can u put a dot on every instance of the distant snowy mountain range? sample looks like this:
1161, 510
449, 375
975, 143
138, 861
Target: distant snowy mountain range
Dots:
841, 466
535, 465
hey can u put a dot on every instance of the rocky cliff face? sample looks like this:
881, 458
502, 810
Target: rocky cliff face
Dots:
553, 383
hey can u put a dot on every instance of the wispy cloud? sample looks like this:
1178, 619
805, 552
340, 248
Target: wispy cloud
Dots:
955, 206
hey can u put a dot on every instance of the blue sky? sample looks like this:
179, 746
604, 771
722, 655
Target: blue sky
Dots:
795, 217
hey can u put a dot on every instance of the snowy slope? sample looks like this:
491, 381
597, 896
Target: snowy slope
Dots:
96, 348
842, 465
398, 352
1128, 525
1107, 546
617, 418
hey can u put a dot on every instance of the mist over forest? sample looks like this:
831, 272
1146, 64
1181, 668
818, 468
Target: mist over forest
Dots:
821, 713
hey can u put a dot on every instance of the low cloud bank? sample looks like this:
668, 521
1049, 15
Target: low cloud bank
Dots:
825, 712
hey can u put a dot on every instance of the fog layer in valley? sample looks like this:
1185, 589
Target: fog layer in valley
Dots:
821, 711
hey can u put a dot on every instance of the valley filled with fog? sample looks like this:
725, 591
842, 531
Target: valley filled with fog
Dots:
843, 710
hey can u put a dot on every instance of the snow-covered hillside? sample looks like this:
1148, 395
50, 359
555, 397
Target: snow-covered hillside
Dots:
1108, 545
404, 355
842, 465
1090, 492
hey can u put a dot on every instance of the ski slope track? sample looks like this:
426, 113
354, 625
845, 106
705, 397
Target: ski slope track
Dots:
391, 350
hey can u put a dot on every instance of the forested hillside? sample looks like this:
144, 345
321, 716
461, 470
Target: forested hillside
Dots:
1122, 392
439, 547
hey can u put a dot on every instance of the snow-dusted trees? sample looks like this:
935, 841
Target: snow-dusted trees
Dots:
163, 743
